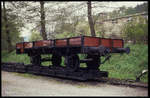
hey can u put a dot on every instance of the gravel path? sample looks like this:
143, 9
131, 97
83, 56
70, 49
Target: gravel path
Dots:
15, 84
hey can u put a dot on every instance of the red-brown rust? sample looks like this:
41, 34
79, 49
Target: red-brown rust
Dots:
75, 41
91, 41
19, 45
106, 42
61, 42
117, 43
28, 45
43, 43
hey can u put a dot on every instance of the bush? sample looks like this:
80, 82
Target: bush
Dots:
136, 31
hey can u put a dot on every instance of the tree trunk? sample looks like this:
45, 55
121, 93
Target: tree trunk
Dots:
42, 12
9, 47
91, 24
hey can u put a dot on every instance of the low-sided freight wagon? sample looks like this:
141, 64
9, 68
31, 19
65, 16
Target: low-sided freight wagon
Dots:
70, 48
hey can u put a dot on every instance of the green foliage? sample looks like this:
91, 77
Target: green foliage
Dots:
136, 31
66, 35
138, 9
130, 10
68, 30
125, 66
83, 28
35, 36
65, 27
99, 34
14, 25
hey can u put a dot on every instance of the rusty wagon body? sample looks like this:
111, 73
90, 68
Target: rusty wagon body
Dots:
69, 48
80, 43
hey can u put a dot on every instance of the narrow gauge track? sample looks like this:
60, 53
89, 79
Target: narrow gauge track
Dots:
47, 71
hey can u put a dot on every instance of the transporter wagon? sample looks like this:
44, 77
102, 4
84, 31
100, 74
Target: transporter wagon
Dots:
70, 48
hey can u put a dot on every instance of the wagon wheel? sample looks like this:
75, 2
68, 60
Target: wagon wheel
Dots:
36, 60
56, 60
72, 62
95, 63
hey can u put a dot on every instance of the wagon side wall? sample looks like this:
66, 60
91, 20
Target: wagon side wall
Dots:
74, 43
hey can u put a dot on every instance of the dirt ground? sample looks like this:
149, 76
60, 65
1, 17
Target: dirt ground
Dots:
14, 84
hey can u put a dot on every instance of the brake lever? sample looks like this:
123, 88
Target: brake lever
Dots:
107, 58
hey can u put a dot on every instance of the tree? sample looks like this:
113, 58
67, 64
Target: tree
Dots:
90, 20
122, 11
135, 31
142, 8
35, 36
11, 27
66, 21
6, 27
138, 9
42, 12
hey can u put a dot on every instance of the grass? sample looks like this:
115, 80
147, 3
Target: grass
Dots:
13, 57
122, 66
128, 66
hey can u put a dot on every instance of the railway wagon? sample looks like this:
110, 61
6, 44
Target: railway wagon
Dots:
69, 48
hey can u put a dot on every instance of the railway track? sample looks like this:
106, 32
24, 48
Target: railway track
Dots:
55, 72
